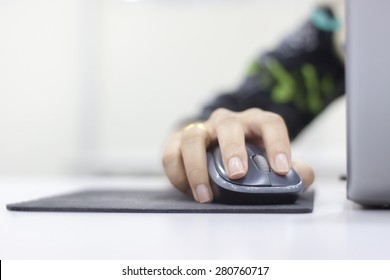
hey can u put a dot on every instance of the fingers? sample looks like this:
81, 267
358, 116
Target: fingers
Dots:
173, 163
185, 160
193, 149
231, 139
305, 172
185, 164
273, 132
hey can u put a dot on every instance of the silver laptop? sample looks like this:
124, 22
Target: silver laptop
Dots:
368, 95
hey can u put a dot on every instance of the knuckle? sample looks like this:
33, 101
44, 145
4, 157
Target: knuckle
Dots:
273, 118
225, 117
228, 120
253, 111
220, 113
169, 157
191, 136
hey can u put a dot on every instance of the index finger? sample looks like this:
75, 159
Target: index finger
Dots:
274, 134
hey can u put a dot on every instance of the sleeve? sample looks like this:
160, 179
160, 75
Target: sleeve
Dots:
297, 80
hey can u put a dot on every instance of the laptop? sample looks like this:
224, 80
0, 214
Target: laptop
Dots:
368, 102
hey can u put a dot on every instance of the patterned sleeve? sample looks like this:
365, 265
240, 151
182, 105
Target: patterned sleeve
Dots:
297, 80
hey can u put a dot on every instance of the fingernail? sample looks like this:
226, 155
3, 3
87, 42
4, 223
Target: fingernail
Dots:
281, 163
235, 167
202, 193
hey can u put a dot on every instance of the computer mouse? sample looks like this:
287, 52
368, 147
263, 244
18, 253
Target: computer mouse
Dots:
259, 186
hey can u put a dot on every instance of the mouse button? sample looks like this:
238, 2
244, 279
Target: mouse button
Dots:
218, 162
261, 163
291, 178
254, 177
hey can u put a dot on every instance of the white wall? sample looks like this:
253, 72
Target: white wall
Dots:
38, 85
89, 85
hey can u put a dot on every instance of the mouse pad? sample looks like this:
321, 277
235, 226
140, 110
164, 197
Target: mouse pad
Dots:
146, 201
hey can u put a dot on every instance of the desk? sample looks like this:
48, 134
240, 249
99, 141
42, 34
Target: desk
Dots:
337, 229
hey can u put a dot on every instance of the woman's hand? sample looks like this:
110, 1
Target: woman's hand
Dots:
184, 157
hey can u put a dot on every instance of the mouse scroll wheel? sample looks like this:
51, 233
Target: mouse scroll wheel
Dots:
261, 163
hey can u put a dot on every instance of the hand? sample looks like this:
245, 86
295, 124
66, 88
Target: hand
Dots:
184, 157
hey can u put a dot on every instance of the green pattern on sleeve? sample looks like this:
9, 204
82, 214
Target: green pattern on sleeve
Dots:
302, 87
285, 86
312, 84
328, 85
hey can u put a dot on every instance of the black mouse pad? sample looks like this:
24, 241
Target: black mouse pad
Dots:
145, 201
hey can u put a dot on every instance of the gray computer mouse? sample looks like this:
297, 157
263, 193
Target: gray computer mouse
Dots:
259, 186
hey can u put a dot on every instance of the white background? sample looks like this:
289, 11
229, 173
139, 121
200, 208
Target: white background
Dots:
97, 85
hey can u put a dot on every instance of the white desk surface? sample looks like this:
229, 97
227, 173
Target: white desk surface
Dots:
337, 229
